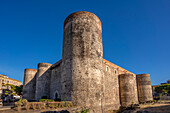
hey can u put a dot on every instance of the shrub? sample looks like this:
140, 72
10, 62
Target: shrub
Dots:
84, 111
23, 102
46, 100
53, 106
44, 97
58, 99
149, 101
33, 105
18, 106
60, 104
20, 103
68, 104
56, 105
156, 98
155, 101
27, 106
39, 106
50, 105
43, 105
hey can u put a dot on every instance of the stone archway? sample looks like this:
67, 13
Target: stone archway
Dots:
56, 95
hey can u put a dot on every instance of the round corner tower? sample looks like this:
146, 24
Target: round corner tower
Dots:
128, 89
144, 87
82, 60
43, 80
29, 84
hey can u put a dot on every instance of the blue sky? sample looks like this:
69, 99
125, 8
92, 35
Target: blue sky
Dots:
136, 34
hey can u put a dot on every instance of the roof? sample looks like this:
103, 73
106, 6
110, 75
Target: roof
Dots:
156, 85
106, 61
2, 75
56, 64
114, 65
6, 77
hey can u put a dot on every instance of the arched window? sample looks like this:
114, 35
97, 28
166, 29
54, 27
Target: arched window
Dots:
107, 68
115, 71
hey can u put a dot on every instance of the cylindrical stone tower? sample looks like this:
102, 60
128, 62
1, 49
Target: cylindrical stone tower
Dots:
128, 89
29, 85
43, 80
144, 87
82, 61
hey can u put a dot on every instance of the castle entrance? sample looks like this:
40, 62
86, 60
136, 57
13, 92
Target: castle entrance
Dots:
56, 96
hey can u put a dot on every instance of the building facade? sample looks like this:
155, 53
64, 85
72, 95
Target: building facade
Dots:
4, 80
82, 75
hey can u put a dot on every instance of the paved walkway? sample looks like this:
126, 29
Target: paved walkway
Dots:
5, 108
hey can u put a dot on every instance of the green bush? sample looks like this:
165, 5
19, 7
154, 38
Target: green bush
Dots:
44, 97
60, 104
58, 99
27, 106
84, 111
39, 106
68, 104
34, 107
46, 100
18, 106
165, 89
20, 103
23, 102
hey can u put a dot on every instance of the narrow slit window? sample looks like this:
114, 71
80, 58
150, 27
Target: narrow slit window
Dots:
107, 68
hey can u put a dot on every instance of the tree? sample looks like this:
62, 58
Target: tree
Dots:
163, 89
14, 90
19, 90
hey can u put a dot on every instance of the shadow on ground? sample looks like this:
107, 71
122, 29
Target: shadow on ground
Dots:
155, 109
63, 111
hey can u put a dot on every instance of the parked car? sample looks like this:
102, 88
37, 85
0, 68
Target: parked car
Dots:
1, 102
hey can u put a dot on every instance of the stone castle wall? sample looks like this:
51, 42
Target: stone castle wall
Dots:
55, 82
29, 86
144, 87
83, 76
111, 94
128, 90
43, 80
82, 62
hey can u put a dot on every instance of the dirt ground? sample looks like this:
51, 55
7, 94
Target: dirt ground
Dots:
49, 110
155, 108
149, 108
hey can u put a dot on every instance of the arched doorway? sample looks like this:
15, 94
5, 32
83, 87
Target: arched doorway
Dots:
57, 96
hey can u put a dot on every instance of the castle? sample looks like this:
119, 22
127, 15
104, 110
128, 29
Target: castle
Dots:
83, 76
